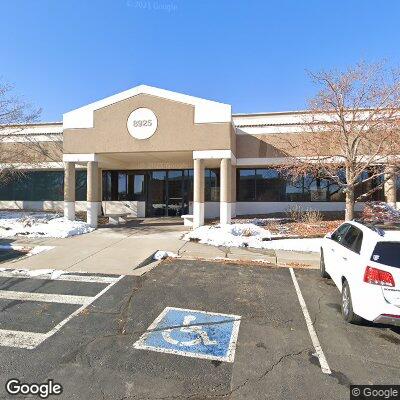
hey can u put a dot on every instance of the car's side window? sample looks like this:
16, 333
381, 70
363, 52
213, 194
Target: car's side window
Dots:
358, 242
339, 234
353, 239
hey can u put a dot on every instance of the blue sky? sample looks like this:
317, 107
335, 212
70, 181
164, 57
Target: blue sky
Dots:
248, 53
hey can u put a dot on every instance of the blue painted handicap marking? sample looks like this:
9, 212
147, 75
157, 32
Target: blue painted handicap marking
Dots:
192, 333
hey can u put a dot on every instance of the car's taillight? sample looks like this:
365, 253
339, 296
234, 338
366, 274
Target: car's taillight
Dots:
376, 276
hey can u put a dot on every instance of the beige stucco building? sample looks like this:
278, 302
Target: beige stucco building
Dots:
153, 152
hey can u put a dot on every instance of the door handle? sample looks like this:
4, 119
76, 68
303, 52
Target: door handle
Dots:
333, 250
344, 258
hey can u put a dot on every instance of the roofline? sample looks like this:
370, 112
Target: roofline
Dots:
205, 111
272, 113
295, 112
31, 124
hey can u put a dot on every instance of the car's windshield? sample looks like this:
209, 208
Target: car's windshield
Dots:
387, 253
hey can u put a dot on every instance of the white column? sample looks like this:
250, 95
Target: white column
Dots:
92, 193
69, 190
198, 193
225, 210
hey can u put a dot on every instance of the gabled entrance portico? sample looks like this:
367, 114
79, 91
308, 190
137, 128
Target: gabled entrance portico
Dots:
161, 142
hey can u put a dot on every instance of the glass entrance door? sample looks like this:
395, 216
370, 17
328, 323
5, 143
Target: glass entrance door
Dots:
175, 193
156, 205
167, 193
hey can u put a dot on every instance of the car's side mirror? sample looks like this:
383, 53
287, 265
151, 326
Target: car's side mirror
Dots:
329, 235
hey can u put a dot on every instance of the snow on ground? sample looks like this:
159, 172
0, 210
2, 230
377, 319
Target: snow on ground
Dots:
162, 254
31, 224
248, 235
235, 235
30, 251
24, 273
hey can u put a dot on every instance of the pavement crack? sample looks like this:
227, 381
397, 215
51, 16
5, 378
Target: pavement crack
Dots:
319, 309
265, 373
124, 314
238, 387
288, 355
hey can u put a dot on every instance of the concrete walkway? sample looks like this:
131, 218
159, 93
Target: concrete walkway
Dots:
191, 250
128, 249
116, 250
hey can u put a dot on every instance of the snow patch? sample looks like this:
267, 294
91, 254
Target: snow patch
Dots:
249, 235
162, 254
29, 251
230, 235
39, 225
53, 273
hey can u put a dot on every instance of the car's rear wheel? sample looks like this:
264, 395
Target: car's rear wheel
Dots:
322, 270
347, 305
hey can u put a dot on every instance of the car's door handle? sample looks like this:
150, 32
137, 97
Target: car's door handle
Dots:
344, 258
332, 249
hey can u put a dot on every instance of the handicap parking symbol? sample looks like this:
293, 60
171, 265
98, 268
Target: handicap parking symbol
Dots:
192, 333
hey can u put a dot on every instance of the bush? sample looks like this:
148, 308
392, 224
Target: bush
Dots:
308, 216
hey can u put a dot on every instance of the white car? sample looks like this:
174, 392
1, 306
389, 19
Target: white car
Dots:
364, 262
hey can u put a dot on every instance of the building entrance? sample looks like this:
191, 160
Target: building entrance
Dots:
168, 193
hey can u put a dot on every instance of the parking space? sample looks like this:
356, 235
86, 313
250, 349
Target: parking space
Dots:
194, 329
35, 307
366, 353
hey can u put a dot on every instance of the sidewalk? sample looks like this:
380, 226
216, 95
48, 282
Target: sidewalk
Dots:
113, 250
194, 250
128, 249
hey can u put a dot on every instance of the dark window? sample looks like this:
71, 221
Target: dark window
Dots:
370, 186
80, 186
106, 185
315, 188
211, 189
353, 239
358, 243
246, 185
387, 253
339, 234
122, 186
295, 190
136, 186
41, 186
269, 185
188, 184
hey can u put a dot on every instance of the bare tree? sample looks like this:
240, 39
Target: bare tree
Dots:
16, 146
351, 131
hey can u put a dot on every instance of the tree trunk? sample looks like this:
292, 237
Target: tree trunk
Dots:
349, 204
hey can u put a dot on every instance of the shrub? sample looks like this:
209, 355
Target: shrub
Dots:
308, 216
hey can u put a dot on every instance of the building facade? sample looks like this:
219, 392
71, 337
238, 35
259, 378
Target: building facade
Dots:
152, 152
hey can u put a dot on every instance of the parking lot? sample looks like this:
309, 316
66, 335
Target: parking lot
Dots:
189, 329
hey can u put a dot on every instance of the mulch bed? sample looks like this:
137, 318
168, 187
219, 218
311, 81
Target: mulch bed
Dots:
287, 227
303, 229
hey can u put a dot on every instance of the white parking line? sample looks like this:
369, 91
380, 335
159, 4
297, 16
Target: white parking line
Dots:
47, 298
30, 340
80, 309
63, 277
89, 279
314, 338
24, 340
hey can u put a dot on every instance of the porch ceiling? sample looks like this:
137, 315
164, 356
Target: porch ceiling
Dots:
150, 160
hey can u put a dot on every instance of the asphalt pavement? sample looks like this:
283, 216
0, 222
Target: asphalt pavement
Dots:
188, 329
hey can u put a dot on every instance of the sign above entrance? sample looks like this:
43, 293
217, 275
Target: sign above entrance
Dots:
142, 123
